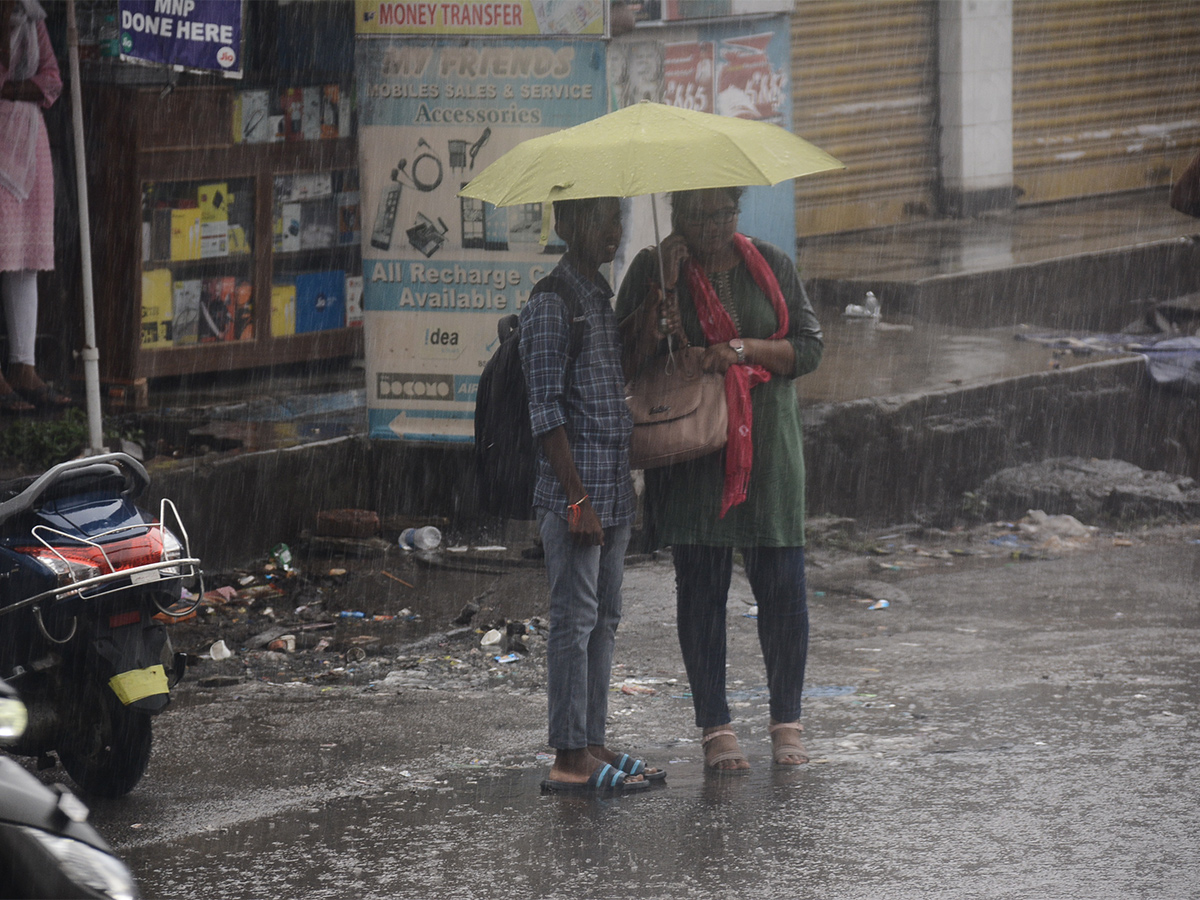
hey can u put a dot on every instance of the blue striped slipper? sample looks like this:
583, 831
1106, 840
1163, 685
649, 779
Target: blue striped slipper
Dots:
631, 766
604, 780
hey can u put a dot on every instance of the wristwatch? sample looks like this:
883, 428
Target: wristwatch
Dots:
739, 347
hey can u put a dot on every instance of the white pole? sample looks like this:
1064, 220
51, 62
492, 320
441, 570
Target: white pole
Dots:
90, 354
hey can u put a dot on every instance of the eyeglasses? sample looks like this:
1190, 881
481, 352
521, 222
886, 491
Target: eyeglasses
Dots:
717, 217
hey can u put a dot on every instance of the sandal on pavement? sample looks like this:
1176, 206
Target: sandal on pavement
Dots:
785, 743
631, 766
13, 404
45, 397
713, 763
605, 779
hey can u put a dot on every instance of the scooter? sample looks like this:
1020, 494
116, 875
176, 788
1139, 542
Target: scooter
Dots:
47, 848
87, 580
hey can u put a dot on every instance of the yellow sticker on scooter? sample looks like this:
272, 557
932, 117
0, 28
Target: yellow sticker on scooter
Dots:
135, 684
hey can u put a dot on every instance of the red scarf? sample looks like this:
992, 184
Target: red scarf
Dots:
718, 329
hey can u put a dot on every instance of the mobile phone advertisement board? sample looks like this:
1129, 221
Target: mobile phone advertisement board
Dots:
439, 272
196, 35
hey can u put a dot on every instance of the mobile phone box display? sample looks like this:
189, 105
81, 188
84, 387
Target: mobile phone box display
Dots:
349, 220
216, 309
354, 300
283, 310
320, 301
291, 102
185, 299
306, 212
318, 224
156, 308
185, 234
240, 206
226, 310
335, 112
213, 201
253, 122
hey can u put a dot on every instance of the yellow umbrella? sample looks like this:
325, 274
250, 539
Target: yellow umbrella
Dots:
647, 148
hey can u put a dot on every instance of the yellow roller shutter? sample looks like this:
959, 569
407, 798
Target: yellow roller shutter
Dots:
1106, 95
864, 88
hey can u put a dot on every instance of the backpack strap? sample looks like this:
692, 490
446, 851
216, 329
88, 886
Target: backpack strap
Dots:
557, 285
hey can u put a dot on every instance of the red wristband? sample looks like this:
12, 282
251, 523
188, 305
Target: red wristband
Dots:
575, 511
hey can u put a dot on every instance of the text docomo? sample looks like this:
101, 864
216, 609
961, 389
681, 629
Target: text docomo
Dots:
413, 386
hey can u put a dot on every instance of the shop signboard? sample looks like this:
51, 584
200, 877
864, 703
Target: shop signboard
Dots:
481, 18
729, 66
197, 35
440, 271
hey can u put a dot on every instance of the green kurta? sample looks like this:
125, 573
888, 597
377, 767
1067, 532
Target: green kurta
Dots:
683, 502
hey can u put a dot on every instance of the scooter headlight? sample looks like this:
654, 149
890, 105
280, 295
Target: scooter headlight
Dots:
87, 866
13, 719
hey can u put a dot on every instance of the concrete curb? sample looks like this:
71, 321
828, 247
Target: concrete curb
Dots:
881, 460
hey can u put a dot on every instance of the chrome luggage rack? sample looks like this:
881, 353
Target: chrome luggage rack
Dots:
179, 568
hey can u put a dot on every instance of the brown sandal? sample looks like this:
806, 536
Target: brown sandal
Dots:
713, 763
786, 743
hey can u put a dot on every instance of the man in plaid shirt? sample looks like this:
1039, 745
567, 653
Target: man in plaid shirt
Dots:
584, 497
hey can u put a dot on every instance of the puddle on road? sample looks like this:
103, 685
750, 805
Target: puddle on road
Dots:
496, 835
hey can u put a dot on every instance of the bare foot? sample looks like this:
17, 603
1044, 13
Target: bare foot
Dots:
576, 766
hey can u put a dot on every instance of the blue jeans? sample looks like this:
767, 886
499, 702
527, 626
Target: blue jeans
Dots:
585, 607
776, 574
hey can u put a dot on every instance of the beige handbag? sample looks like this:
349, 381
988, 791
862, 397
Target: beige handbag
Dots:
679, 411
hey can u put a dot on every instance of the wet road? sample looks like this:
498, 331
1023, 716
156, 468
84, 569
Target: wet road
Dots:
1014, 729
864, 358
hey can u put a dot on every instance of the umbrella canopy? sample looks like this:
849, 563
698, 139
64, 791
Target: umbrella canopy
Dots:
647, 148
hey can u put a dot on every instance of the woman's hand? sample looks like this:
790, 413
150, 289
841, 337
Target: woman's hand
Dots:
672, 251
718, 358
777, 356
664, 314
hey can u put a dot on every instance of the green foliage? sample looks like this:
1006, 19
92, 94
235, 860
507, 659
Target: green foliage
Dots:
41, 443
974, 506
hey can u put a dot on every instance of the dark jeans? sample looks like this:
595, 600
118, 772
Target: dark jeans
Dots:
776, 576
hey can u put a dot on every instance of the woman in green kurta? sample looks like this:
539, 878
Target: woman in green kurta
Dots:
743, 301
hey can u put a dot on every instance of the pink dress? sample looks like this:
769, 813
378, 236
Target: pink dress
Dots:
27, 226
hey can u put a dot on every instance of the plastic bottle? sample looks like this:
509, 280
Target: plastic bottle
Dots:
868, 309
425, 538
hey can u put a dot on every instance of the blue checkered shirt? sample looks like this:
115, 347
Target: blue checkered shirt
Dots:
593, 409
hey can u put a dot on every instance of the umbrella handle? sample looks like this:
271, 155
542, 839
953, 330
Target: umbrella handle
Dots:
662, 279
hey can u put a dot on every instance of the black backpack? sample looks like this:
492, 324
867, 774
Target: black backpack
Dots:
505, 449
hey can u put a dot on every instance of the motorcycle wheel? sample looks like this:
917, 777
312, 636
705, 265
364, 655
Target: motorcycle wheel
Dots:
109, 750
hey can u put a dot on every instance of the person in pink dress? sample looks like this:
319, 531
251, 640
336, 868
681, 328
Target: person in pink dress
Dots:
29, 79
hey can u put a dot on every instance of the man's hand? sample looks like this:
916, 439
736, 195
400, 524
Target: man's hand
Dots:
585, 528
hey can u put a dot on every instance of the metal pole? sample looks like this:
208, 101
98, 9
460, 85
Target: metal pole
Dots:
90, 354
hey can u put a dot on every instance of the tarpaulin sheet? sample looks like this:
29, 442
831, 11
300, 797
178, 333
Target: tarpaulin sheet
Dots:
1171, 360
